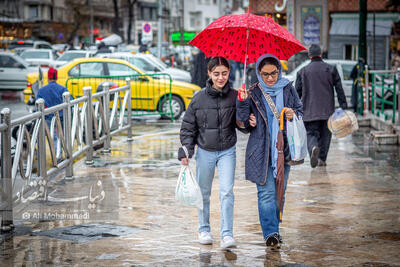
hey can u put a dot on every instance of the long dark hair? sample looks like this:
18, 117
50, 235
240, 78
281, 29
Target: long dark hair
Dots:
217, 61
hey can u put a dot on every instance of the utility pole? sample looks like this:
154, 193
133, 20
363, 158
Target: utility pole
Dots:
362, 36
160, 29
182, 37
91, 22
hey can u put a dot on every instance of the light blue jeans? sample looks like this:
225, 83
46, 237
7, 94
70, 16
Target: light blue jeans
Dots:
225, 161
268, 209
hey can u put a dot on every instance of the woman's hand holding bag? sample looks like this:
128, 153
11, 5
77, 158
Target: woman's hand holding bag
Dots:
297, 140
187, 190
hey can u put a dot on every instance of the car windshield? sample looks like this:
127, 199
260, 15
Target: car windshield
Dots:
36, 54
70, 56
158, 62
145, 65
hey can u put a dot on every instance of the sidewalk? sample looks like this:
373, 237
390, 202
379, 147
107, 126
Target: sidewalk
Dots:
346, 214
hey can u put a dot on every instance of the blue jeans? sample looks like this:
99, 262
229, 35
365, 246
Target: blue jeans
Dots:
205, 168
268, 209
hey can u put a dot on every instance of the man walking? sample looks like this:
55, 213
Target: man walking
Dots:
52, 96
314, 84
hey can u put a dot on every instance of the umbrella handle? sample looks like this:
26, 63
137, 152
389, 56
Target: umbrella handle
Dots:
281, 120
239, 94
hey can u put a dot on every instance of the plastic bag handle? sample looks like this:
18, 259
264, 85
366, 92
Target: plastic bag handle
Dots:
186, 151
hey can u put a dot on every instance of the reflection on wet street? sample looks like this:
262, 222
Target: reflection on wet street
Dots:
122, 211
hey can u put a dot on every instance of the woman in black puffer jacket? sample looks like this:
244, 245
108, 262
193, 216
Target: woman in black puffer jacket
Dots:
210, 123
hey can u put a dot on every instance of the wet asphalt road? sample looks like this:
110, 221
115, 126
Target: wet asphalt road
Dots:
345, 214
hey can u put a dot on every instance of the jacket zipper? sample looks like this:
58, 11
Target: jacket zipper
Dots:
266, 123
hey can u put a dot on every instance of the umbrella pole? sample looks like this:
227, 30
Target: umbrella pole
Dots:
245, 58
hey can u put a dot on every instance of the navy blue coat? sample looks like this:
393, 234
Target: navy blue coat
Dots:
258, 146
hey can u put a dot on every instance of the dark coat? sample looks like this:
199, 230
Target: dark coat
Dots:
258, 146
210, 120
314, 85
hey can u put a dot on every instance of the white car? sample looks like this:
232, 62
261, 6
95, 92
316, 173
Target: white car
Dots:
43, 58
70, 55
344, 68
13, 71
150, 64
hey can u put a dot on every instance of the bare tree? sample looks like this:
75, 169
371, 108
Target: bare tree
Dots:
77, 8
117, 22
131, 5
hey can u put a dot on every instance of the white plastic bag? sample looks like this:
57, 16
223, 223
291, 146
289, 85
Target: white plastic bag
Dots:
342, 123
297, 138
187, 190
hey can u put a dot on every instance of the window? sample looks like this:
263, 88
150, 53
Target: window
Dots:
207, 21
87, 69
36, 54
351, 52
44, 46
8, 62
347, 68
33, 12
116, 69
146, 13
192, 21
144, 65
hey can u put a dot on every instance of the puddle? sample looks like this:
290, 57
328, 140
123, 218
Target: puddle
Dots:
89, 232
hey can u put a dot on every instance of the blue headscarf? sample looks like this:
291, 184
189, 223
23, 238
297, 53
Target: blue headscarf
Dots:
275, 91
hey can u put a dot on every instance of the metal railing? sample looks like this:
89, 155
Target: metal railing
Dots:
151, 93
71, 130
382, 94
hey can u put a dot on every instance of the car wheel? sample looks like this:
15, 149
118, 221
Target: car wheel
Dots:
176, 104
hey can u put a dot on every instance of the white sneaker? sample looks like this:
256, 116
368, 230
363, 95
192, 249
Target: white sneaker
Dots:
205, 238
228, 242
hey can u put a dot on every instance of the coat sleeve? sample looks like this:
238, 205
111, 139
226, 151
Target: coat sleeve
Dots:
243, 111
339, 89
189, 131
299, 84
296, 103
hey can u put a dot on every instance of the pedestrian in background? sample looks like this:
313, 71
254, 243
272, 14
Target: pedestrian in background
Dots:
357, 73
52, 94
210, 123
261, 153
315, 84
199, 69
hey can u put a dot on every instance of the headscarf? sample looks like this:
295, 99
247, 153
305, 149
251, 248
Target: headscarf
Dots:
276, 91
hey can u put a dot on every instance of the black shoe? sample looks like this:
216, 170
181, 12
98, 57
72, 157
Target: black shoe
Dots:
321, 163
314, 157
272, 241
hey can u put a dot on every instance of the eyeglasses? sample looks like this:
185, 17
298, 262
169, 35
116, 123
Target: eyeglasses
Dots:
273, 74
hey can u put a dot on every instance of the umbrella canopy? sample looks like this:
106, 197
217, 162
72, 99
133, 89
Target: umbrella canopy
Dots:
234, 36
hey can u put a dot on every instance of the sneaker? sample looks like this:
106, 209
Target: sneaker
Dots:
321, 163
273, 242
205, 238
228, 242
314, 157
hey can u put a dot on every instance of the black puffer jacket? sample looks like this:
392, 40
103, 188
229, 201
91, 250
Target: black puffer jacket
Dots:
210, 120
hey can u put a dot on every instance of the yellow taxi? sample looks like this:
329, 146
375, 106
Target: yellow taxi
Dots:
149, 92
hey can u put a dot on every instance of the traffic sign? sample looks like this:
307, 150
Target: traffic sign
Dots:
147, 32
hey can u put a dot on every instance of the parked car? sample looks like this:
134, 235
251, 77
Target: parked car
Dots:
344, 68
148, 94
68, 56
13, 71
19, 46
39, 57
150, 64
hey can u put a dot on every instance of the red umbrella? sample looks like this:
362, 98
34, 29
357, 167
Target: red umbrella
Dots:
229, 36
245, 38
